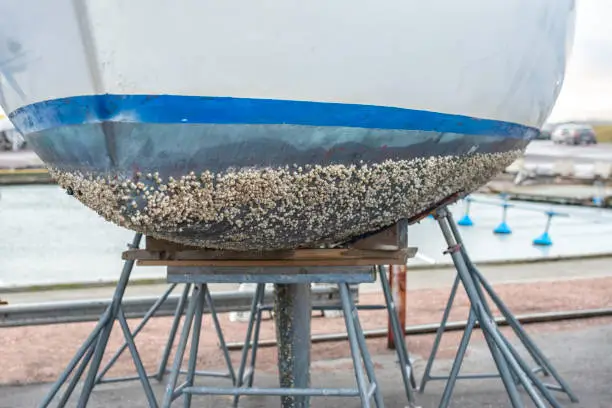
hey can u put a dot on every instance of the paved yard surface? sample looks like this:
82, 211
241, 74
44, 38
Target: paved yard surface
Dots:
581, 349
581, 354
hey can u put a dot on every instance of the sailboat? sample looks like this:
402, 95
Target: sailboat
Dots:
278, 123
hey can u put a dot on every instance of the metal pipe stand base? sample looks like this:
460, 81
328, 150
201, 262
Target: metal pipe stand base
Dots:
246, 373
511, 367
92, 350
293, 311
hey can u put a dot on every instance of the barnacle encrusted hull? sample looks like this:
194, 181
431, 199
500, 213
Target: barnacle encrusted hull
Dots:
280, 207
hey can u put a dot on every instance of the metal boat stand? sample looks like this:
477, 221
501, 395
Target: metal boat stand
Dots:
292, 272
246, 374
512, 369
93, 349
293, 309
163, 363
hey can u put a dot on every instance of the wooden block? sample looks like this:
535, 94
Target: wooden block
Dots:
156, 244
391, 238
305, 257
277, 262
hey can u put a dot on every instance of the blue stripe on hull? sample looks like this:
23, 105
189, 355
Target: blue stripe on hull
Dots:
172, 109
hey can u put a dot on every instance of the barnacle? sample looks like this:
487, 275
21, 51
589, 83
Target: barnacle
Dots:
283, 207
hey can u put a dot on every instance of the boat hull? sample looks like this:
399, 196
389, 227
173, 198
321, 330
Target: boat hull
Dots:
313, 123
314, 175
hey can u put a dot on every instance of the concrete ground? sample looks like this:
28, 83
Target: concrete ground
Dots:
581, 356
545, 151
19, 160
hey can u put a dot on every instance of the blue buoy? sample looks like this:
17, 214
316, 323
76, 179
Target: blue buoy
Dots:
503, 227
597, 201
543, 240
466, 221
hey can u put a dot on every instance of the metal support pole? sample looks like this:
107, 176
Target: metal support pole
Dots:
246, 374
436, 344
137, 330
399, 338
355, 346
250, 343
180, 308
142, 374
219, 331
97, 342
495, 344
454, 373
451, 233
543, 364
259, 314
106, 331
292, 308
504, 354
169, 394
75, 379
512, 368
195, 340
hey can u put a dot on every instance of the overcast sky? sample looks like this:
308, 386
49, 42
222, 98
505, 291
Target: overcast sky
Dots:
587, 90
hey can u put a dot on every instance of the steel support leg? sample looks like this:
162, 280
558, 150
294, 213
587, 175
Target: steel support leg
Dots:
530, 345
251, 342
201, 292
506, 357
436, 344
478, 278
293, 309
150, 313
180, 308
454, 372
192, 324
469, 328
75, 379
357, 342
507, 376
398, 339
485, 320
219, 332
96, 341
259, 316
171, 390
142, 374
538, 356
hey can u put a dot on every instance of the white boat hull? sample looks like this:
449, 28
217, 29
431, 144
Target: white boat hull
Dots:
434, 97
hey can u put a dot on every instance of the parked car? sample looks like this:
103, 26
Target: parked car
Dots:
574, 134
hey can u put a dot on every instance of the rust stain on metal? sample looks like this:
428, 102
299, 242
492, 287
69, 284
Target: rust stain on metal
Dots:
397, 281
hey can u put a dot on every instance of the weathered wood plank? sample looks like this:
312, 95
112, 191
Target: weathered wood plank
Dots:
277, 262
392, 238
